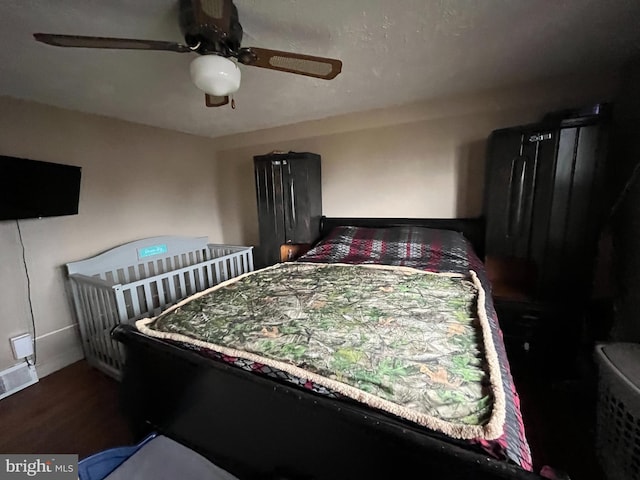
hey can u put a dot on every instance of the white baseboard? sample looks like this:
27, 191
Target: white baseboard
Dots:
58, 350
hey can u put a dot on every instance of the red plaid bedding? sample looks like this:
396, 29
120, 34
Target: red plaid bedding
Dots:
437, 251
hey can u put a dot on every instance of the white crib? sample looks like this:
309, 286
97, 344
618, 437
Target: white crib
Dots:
140, 279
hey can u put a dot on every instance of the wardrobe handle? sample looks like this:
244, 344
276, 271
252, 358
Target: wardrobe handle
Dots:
293, 202
540, 137
516, 196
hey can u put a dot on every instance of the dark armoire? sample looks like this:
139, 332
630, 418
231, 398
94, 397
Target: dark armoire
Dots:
543, 209
289, 195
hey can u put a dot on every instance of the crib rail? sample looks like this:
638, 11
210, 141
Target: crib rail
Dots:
148, 296
125, 293
97, 313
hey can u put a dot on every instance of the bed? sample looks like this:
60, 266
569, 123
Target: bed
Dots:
259, 419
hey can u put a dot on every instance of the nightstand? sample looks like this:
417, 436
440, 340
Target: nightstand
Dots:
291, 251
540, 338
522, 325
537, 334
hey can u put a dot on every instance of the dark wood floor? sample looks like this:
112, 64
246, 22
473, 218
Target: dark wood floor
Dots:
559, 413
560, 426
74, 410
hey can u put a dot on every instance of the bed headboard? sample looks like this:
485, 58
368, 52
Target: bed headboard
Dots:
471, 228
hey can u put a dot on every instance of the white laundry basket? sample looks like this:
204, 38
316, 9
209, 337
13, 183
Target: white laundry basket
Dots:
140, 279
618, 417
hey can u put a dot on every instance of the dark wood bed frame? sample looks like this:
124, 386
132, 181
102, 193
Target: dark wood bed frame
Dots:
256, 427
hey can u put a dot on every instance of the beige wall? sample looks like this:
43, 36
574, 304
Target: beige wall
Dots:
420, 160
137, 182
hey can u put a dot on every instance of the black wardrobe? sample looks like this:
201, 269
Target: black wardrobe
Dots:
289, 195
543, 207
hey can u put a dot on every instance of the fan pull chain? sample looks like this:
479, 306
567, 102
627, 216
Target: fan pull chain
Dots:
233, 103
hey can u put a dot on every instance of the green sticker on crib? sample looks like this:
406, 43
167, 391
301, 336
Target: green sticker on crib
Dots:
151, 251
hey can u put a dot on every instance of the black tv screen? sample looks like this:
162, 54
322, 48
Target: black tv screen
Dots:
34, 189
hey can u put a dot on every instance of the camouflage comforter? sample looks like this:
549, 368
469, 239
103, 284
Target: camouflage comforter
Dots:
412, 343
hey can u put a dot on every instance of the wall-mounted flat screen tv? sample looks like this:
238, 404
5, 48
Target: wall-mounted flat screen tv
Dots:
34, 189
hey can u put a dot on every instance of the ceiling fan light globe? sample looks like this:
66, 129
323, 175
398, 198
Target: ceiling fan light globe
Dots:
215, 75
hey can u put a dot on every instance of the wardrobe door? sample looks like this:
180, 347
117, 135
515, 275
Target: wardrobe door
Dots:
574, 218
303, 199
545, 143
509, 195
270, 188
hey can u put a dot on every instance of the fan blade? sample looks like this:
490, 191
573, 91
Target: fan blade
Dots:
106, 42
213, 101
319, 67
214, 13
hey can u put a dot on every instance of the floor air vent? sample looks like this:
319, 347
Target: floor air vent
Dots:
16, 378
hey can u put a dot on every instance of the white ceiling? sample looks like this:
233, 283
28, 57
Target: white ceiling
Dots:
393, 51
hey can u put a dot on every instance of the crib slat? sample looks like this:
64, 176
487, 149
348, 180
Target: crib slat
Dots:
106, 326
218, 273
250, 257
135, 302
114, 347
102, 329
85, 318
98, 341
171, 284
209, 276
161, 297
148, 300
225, 270
87, 313
80, 313
232, 267
112, 318
192, 282
121, 303
201, 279
183, 287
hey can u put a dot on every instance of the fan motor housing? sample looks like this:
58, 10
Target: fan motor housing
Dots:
209, 37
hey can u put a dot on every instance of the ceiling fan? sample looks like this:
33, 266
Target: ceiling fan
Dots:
211, 28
